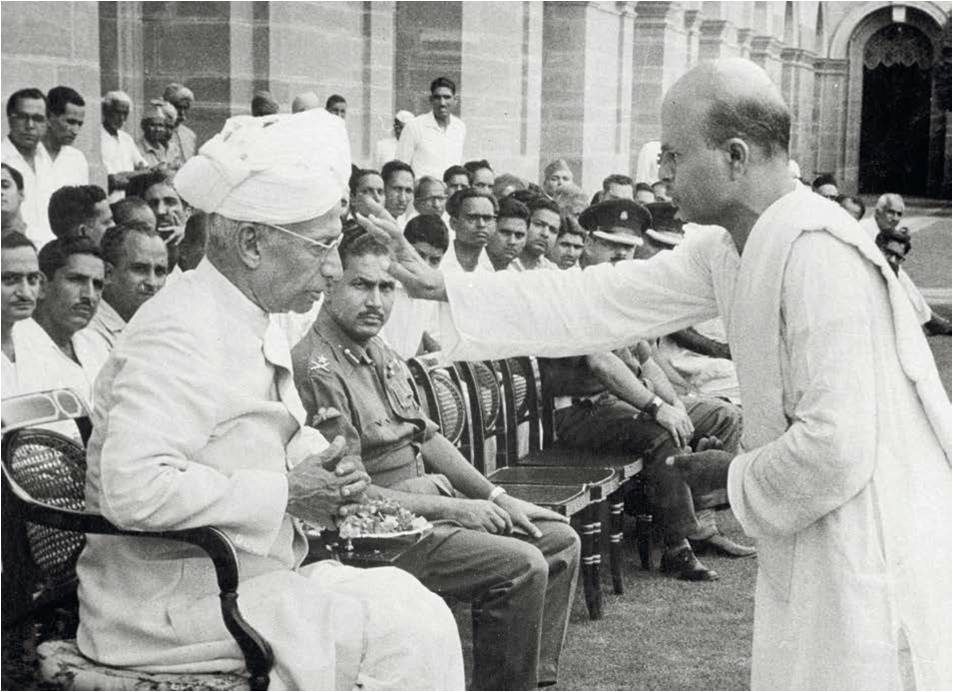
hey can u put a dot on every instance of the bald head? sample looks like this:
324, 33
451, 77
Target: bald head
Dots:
889, 199
735, 98
305, 102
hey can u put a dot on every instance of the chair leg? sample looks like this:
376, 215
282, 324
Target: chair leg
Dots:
616, 506
591, 559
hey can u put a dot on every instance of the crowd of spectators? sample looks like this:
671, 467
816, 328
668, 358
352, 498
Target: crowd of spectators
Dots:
80, 261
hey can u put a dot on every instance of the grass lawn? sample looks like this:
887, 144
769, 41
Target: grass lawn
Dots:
662, 633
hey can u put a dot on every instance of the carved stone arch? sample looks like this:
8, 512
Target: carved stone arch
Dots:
845, 28
875, 16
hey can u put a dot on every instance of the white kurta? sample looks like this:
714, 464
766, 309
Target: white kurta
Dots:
197, 423
847, 482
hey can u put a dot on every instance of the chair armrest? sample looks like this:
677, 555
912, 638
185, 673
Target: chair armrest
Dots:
258, 655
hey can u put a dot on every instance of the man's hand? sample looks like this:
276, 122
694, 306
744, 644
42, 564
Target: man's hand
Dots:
481, 515
678, 424
419, 278
705, 470
523, 513
316, 494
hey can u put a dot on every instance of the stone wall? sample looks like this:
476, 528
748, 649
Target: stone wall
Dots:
537, 81
44, 47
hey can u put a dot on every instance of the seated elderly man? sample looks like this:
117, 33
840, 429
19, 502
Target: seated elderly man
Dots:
197, 422
182, 143
612, 401
516, 561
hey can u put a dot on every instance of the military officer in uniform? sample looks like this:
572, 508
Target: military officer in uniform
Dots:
623, 401
513, 560
615, 231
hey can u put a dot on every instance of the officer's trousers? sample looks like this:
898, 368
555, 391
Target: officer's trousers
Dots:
521, 589
613, 425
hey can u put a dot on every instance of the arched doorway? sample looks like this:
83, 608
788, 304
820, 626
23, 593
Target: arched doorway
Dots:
895, 115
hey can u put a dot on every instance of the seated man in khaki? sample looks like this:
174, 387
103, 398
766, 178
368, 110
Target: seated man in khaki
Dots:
613, 401
516, 562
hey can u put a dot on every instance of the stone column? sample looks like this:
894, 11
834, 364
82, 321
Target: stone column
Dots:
797, 86
341, 48
585, 78
120, 53
50, 45
189, 43
718, 40
830, 94
693, 22
744, 42
766, 52
661, 51
497, 58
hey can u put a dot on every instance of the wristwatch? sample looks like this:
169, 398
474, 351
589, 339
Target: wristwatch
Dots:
653, 407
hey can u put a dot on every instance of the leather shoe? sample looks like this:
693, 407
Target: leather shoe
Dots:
686, 566
719, 544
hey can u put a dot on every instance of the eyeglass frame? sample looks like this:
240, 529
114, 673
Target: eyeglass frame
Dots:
324, 247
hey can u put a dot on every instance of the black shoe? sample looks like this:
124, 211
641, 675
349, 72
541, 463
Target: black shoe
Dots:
719, 544
686, 566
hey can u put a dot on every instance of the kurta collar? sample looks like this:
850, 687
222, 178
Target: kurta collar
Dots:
430, 121
109, 318
327, 329
232, 300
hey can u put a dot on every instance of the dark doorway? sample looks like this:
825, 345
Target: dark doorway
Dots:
895, 120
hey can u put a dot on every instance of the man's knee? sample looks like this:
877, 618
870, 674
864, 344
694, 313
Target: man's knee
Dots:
560, 541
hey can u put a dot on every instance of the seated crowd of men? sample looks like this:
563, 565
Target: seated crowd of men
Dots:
80, 262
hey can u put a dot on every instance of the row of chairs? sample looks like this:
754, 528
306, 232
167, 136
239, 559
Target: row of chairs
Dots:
500, 415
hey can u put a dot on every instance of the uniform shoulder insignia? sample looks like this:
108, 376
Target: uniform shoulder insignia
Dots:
624, 216
319, 364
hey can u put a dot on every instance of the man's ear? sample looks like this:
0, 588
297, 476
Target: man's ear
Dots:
41, 289
248, 241
739, 156
108, 270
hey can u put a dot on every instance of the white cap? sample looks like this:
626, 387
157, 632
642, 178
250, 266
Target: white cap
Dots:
404, 116
271, 169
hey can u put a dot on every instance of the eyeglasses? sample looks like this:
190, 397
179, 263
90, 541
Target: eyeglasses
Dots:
324, 247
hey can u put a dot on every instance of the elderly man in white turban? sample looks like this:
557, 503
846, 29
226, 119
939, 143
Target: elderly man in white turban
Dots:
199, 423
845, 481
182, 143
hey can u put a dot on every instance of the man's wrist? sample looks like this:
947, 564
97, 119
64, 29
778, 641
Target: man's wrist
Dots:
496, 493
651, 410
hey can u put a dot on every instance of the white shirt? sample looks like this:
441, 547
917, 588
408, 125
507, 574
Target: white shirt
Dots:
646, 164
386, 150
37, 188
409, 319
450, 264
99, 337
429, 148
41, 365
120, 155
544, 263
69, 168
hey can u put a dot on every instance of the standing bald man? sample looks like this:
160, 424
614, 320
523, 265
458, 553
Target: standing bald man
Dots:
845, 480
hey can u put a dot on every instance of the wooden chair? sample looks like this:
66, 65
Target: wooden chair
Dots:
533, 411
44, 527
445, 392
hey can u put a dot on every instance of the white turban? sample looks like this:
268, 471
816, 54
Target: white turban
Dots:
271, 169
